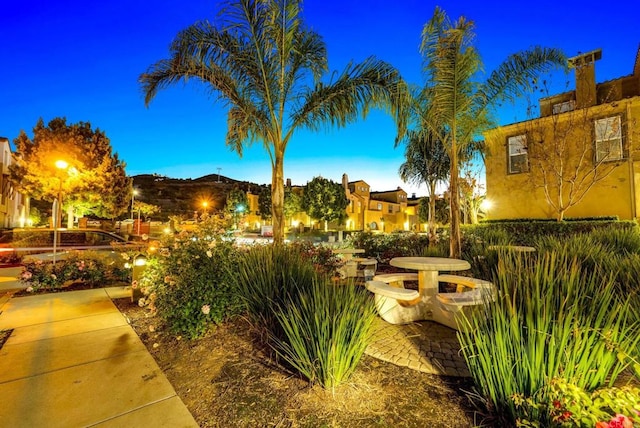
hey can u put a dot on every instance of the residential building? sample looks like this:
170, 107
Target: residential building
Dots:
578, 159
385, 211
14, 206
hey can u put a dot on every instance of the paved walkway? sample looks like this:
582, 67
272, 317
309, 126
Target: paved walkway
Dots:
73, 361
425, 346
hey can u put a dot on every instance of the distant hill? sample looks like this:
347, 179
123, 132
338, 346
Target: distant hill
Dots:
176, 196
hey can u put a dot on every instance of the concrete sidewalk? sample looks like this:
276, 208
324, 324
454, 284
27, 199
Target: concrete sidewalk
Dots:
73, 361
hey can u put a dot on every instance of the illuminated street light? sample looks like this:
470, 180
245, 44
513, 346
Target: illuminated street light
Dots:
205, 204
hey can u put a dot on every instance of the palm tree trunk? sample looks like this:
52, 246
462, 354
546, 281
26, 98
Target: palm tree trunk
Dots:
277, 198
454, 203
432, 212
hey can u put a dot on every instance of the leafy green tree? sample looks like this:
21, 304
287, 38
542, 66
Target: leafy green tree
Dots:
264, 202
237, 201
267, 67
325, 200
292, 202
460, 106
93, 178
144, 209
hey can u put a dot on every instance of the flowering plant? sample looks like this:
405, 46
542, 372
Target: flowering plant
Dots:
568, 405
187, 283
91, 268
324, 260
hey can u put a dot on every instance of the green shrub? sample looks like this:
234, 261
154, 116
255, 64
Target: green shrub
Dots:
385, 246
326, 329
527, 231
93, 268
552, 319
569, 405
188, 282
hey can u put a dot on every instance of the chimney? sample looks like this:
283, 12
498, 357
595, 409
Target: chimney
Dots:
584, 65
345, 181
288, 182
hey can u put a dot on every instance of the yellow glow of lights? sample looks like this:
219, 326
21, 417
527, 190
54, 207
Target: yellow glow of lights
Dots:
61, 164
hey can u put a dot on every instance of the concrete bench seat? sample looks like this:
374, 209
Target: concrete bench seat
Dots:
464, 281
386, 290
396, 278
450, 305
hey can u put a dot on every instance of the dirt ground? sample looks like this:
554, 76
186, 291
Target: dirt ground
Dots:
228, 380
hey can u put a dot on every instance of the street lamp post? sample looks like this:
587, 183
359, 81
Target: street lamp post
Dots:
57, 208
62, 165
133, 196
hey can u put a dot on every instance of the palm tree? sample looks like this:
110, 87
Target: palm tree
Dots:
426, 162
266, 67
460, 105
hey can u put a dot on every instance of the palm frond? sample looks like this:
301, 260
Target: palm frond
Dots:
518, 72
361, 87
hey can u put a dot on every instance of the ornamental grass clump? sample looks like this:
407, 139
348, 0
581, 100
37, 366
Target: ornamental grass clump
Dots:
326, 329
552, 319
317, 327
188, 283
267, 275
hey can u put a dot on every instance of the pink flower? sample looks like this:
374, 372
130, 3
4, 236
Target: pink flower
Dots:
134, 284
26, 275
206, 309
620, 421
29, 289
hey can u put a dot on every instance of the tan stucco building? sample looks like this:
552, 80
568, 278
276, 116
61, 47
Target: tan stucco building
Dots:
579, 159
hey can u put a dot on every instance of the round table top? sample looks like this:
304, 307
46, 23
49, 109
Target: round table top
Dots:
429, 263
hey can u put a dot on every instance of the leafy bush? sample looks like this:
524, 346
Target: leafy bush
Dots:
90, 267
326, 329
552, 319
569, 405
188, 283
323, 259
385, 246
527, 231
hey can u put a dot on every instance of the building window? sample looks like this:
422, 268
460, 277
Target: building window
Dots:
608, 132
379, 207
390, 209
564, 107
518, 156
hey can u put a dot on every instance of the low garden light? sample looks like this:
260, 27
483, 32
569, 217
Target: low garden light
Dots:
138, 267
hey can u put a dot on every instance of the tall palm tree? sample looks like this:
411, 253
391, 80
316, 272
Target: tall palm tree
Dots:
426, 162
266, 67
460, 105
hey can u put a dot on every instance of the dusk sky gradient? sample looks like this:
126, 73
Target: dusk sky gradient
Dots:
82, 60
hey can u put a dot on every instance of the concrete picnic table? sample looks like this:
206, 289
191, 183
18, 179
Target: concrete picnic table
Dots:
428, 269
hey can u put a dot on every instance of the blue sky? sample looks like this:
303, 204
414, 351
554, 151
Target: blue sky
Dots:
82, 59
